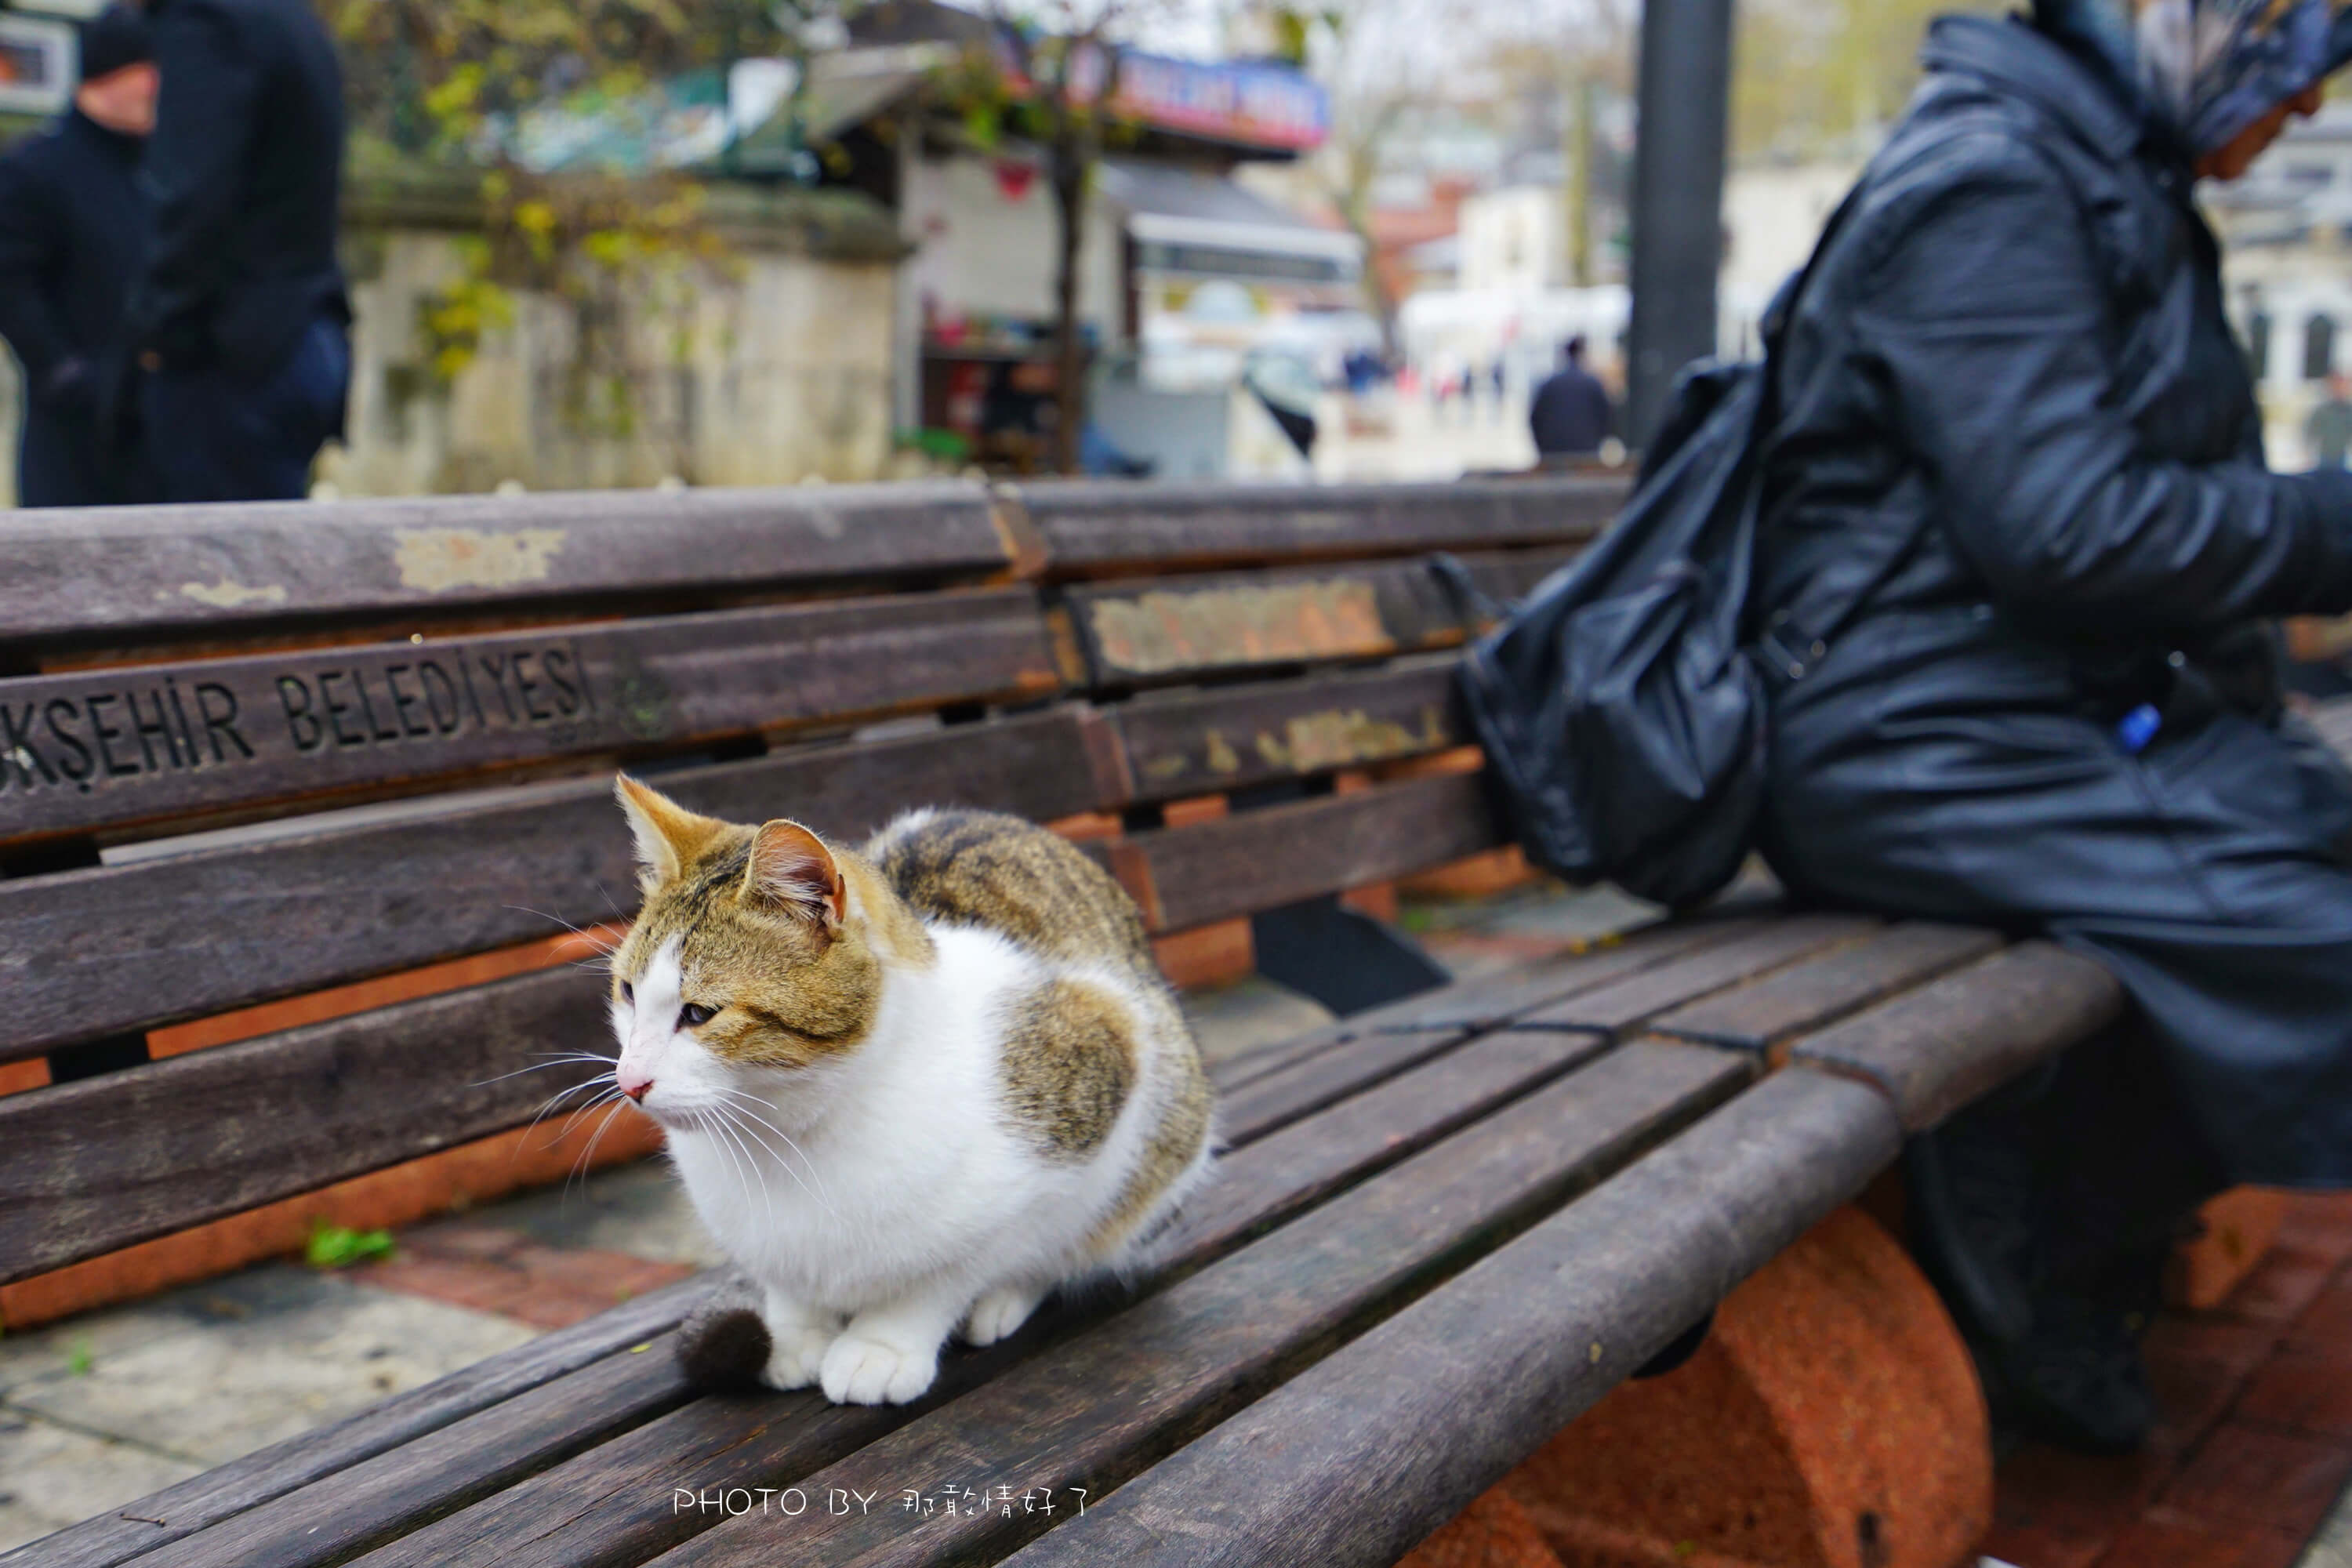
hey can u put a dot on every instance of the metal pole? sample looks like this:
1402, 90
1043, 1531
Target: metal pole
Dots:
1685, 92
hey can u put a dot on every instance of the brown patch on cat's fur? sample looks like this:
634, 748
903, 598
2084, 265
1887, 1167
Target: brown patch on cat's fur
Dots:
1175, 1144
986, 869
1069, 1064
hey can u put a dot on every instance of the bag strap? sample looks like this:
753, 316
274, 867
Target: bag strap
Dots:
1789, 651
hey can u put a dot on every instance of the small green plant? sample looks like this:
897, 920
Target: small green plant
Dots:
339, 1246
78, 1358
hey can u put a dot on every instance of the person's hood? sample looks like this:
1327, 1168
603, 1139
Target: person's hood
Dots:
2014, 57
2204, 71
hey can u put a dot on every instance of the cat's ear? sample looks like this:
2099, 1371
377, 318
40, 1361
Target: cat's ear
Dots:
669, 835
793, 873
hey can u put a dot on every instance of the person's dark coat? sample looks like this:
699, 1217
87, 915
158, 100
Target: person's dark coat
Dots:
1570, 414
69, 243
242, 177
2014, 403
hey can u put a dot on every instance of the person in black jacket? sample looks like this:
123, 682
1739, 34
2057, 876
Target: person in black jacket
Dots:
239, 318
69, 242
2019, 425
1570, 416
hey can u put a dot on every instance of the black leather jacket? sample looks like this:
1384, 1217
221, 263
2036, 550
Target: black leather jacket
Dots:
2016, 420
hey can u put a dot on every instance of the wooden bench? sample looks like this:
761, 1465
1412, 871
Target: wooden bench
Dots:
251, 755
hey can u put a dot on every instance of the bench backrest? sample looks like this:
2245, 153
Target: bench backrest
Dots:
251, 755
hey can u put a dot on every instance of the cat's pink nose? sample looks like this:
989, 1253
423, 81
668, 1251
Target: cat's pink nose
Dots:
634, 1083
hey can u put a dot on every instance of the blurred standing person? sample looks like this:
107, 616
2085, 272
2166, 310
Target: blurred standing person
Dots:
1569, 416
70, 243
239, 319
2329, 431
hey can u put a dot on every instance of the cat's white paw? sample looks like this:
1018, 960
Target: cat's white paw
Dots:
860, 1370
996, 1315
795, 1355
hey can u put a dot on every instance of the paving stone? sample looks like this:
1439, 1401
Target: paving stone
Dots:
2284, 1287
2321, 1221
2056, 1509
2251, 1475
2305, 1388
2328, 1320
2169, 1541
2196, 1368
2332, 1547
1256, 1012
51, 1476
637, 1209
289, 1348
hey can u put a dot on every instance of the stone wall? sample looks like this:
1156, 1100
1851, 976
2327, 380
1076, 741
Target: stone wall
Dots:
778, 370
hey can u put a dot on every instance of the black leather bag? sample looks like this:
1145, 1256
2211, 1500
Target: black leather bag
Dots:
1621, 707
1621, 718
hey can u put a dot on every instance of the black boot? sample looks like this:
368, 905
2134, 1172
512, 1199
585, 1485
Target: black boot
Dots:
2059, 1357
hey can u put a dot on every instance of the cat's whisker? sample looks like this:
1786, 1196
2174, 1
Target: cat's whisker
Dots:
611, 1095
767, 1199
552, 1100
580, 1166
742, 1106
604, 942
542, 1067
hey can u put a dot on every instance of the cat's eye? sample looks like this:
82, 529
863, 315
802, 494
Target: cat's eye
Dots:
628, 991
694, 1014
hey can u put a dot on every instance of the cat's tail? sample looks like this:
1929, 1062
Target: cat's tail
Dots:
723, 1345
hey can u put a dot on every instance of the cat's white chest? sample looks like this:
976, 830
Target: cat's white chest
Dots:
906, 1166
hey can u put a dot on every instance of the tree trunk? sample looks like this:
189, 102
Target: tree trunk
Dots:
1069, 181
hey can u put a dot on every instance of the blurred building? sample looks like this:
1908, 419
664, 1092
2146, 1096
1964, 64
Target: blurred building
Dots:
2286, 262
1185, 274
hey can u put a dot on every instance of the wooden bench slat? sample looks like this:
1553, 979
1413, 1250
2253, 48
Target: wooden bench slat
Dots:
1409, 1422
92, 952
1260, 1181
530, 1435
1166, 629
1339, 1059
117, 574
1638, 998
1185, 876
1937, 1048
1085, 1408
1099, 526
1230, 737
1812, 993
112, 1161
141, 742
108, 1539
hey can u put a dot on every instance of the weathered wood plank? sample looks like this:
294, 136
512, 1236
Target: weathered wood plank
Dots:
520, 1438
1091, 528
321, 1454
1228, 737
92, 952
106, 1161
1089, 1407
1342, 1057
145, 741
119, 572
1359, 1457
1259, 1185
1935, 1050
1638, 998
1184, 876
1175, 628
1820, 990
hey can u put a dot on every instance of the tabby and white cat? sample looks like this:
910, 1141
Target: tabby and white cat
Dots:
911, 1089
